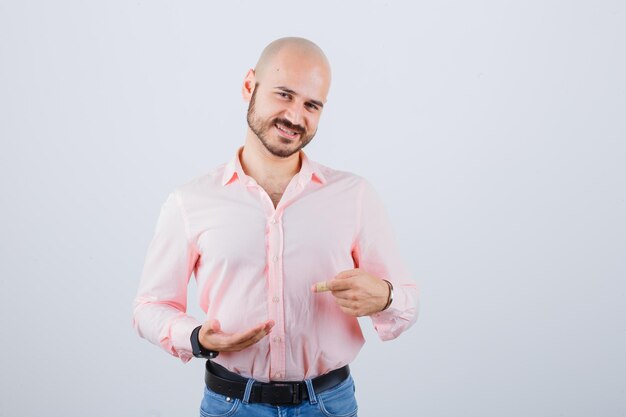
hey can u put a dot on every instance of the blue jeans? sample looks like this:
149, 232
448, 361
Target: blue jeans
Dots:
338, 401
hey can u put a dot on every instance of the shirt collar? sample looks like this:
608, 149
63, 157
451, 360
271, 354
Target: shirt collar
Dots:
232, 170
309, 171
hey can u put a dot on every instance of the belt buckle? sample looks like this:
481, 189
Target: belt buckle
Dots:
285, 393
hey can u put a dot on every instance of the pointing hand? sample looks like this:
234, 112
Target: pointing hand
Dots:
357, 292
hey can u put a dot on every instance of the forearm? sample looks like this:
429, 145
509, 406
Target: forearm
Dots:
165, 325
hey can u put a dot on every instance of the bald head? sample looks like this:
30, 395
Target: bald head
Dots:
286, 92
287, 52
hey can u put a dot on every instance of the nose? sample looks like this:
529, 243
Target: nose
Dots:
294, 113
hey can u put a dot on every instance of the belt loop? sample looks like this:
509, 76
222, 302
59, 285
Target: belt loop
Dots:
309, 388
246, 394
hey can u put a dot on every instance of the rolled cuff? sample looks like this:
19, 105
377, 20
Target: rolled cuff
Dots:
401, 314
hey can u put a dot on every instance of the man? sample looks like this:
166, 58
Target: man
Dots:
286, 253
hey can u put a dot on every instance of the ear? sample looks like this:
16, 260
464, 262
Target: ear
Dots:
249, 83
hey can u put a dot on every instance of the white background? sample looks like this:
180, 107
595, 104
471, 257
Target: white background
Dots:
494, 130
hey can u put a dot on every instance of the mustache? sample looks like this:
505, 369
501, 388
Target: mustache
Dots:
289, 125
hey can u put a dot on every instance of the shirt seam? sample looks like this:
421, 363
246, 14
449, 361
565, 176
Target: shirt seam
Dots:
185, 218
359, 216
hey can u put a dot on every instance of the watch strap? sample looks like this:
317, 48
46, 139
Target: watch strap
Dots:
198, 350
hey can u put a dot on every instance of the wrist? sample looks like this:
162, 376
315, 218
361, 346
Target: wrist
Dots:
389, 296
197, 349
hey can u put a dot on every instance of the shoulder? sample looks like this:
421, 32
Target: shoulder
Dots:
352, 186
334, 176
204, 184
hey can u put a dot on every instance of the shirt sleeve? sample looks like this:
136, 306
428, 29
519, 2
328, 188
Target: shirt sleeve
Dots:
159, 313
376, 252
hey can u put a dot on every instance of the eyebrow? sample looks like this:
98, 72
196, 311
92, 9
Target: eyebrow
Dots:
290, 91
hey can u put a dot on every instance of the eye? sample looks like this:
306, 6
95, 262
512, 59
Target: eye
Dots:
282, 94
311, 106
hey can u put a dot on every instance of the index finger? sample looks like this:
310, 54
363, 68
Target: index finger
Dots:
339, 284
347, 273
321, 286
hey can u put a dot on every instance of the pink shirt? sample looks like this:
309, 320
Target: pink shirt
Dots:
254, 262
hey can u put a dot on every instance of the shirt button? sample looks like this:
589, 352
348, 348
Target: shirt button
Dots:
277, 339
278, 375
274, 221
275, 258
275, 299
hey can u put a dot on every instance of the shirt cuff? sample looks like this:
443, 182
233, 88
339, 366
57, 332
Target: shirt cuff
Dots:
400, 315
178, 342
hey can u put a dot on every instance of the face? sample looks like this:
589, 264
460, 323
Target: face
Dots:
286, 105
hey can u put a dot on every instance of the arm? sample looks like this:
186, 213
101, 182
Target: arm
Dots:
159, 313
363, 291
161, 303
376, 253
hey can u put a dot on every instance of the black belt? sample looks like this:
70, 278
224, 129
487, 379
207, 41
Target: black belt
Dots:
222, 381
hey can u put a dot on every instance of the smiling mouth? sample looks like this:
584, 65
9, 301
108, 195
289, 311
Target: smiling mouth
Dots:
287, 133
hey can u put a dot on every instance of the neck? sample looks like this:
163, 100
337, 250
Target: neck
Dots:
260, 164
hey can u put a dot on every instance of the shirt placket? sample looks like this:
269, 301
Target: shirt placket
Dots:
275, 295
275, 279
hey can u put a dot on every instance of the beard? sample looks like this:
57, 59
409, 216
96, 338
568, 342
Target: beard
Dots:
262, 128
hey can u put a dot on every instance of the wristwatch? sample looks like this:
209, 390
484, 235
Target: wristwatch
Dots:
197, 349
